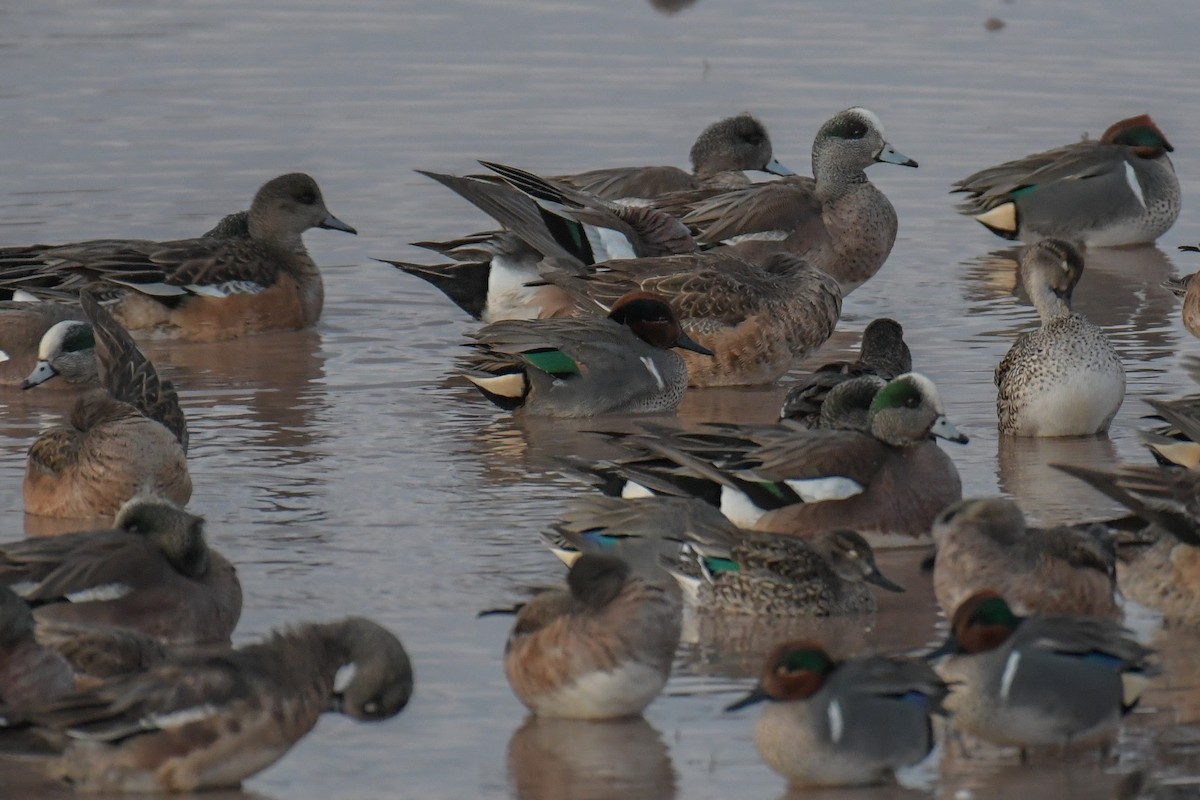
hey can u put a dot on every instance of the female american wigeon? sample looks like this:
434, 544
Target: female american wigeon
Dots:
757, 319
211, 721
837, 220
37, 338
1065, 378
842, 723
30, 672
1040, 680
887, 482
984, 543
127, 438
601, 648
719, 157
581, 367
1116, 190
217, 286
153, 572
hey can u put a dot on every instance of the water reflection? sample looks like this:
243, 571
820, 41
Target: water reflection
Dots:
1024, 471
669, 7
552, 759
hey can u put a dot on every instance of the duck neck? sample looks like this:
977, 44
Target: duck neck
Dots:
1049, 304
835, 179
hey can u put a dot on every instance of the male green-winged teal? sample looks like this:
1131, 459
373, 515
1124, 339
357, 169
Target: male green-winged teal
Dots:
599, 649
1065, 378
127, 438
581, 367
205, 289
843, 723
1040, 680
1116, 190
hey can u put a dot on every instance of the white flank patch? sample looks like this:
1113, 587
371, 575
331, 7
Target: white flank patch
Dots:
608, 244
4, 356
1010, 674
22, 296
344, 676
759, 236
836, 722
226, 289
1132, 179
738, 508
815, 490
635, 491
154, 289
648, 363
100, 594
625, 690
177, 719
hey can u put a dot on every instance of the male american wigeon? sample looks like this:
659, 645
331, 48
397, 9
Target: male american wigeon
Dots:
127, 438
1065, 378
211, 721
580, 367
1116, 190
843, 723
601, 648
218, 286
153, 572
39, 337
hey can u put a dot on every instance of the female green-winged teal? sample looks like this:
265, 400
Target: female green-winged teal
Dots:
210, 721
1065, 378
983, 543
1041, 680
1116, 190
1188, 289
843, 723
601, 648
581, 367
127, 438
205, 289
883, 354
721, 154
153, 572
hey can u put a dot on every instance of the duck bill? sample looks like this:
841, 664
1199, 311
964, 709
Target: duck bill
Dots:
944, 429
41, 373
891, 155
688, 343
757, 695
332, 223
877, 578
775, 168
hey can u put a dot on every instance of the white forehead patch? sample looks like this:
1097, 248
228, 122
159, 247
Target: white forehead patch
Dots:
869, 116
52, 340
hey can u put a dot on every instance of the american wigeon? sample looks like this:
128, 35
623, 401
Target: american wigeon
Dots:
601, 648
983, 543
127, 438
100, 652
26, 342
1065, 378
1116, 190
757, 319
842, 723
1040, 680
152, 572
67, 350
720, 155
837, 220
581, 367
883, 353
211, 721
30, 672
887, 482
218, 286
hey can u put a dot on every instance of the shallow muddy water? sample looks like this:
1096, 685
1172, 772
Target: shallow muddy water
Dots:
345, 474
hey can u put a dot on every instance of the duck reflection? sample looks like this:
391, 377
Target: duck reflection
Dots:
553, 759
669, 7
1040, 490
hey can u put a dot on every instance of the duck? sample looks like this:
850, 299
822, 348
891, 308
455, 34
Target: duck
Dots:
1120, 189
582, 367
837, 220
125, 438
222, 285
209, 721
758, 319
1065, 378
30, 672
1053, 680
1188, 289
599, 649
153, 572
888, 482
983, 542
883, 353
26, 342
843, 723
1166, 576
720, 156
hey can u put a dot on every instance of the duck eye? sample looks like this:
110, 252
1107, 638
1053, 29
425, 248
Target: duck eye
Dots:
307, 198
912, 402
371, 707
754, 138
